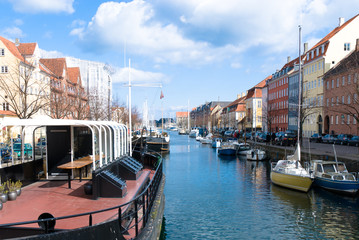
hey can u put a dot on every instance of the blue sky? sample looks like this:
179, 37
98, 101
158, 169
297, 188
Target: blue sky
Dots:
199, 50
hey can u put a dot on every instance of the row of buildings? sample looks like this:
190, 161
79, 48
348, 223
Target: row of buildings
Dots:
33, 86
329, 92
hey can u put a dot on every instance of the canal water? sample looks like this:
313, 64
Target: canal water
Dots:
209, 197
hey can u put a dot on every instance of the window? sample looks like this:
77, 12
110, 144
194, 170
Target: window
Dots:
343, 119
348, 99
346, 46
343, 101
348, 119
321, 100
315, 83
355, 77
355, 98
322, 49
5, 106
4, 69
332, 83
2, 51
327, 102
343, 81
349, 79
336, 119
337, 100
354, 119
327, 84
331, 120
337, 82
332, 101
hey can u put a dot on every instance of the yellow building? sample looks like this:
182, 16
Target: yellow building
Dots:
319, 59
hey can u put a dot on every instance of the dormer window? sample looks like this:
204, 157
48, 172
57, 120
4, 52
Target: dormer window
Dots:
317, 50
2, 51
346, 46
312, 54
322, 49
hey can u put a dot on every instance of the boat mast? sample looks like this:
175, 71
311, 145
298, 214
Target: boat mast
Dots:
299, 93
188, 128
129, 105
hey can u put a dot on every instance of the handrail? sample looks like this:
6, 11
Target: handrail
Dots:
147, 195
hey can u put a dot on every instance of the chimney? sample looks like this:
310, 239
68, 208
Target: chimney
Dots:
305, 48
17, 42
357, 45
341, 21
288, 59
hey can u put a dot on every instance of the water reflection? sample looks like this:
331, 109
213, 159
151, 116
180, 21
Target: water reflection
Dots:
212, 197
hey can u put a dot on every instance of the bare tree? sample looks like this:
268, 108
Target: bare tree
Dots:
80, 106
98, 106
23, 91
60, 106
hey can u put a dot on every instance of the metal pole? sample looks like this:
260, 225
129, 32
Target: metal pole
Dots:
299, 92
129, 105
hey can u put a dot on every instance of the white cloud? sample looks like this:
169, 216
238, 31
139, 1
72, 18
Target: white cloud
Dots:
43, 6
13, 32
121, 75
134, 24
50, 54
198, 32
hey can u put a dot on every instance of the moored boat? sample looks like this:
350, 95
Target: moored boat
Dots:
227, 149
256, 154
243, 148
290, 174
334, 176
194, 132
216, 142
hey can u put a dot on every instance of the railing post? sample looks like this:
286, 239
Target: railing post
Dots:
136, 218
144, 211
90, 220
147, 204
47, 226
120, 218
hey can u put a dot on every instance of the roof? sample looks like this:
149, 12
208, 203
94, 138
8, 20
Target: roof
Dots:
7, 113
74, 74
12, 48
260, 85
328, 37
56, 65
27, 48
181, 114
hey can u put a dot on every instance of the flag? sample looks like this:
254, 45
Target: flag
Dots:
162, 96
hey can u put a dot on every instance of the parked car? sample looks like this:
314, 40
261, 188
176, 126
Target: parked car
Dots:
342, 139
316, 137
27, 150
228, 133
5, 152
354, 141
329, 138
278, 137
247, 135
289, 138
40, 148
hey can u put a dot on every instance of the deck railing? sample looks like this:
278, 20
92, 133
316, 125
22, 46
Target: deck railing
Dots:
128, 220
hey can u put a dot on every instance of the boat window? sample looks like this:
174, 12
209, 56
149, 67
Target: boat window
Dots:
328, 168
341, 168
338, 177
349, 177
319, 168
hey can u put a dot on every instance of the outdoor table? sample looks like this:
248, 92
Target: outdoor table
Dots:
77, 164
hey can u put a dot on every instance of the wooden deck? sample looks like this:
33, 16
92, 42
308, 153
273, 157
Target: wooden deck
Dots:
56, 198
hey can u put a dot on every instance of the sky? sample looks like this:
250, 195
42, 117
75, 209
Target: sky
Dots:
197, 50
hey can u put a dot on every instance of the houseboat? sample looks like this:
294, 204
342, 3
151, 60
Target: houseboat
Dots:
80, 181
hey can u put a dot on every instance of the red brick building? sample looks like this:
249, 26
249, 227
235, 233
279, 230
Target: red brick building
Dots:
341, 90
277, 106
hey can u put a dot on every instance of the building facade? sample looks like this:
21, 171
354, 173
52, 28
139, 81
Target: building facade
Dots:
319, 59
341, 90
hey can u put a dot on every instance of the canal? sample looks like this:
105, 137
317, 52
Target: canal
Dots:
209, 197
